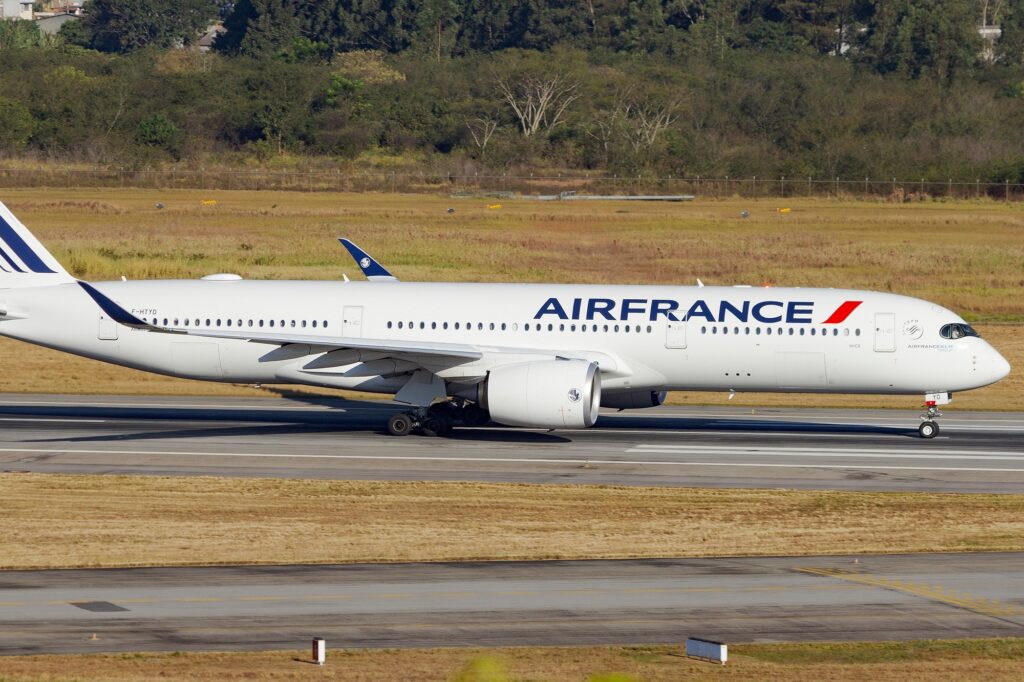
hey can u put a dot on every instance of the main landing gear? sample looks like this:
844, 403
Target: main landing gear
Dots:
437, 420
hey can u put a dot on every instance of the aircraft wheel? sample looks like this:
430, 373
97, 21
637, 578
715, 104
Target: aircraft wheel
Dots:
399, 425
928, 429
474, 415
438, 425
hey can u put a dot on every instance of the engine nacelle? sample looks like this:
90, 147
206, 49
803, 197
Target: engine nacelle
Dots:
633, 400
557, 394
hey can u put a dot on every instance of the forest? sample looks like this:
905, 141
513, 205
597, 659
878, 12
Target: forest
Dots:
710, 88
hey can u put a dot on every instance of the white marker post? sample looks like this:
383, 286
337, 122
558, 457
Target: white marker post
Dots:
319, 650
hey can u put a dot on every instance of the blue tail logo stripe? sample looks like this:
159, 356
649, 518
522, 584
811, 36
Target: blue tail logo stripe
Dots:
21, 249
3, 254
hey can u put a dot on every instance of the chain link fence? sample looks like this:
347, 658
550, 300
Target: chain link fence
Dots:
892, 189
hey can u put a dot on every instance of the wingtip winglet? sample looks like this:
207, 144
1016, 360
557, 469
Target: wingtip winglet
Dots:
367, 263
111, 309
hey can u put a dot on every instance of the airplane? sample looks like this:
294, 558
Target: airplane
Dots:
527, 355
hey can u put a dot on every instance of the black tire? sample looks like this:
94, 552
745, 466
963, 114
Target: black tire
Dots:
474, 415
445, 425
431, 427
399, 425
928, 429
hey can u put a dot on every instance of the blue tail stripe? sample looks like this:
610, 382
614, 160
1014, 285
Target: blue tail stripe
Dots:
21, 249
10, 262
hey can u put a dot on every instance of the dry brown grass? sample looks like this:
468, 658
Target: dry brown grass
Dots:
968, 256
65, 521
996, 660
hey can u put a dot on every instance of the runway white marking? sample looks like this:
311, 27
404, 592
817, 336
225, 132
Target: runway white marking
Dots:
656, 448
500, 460
62, 421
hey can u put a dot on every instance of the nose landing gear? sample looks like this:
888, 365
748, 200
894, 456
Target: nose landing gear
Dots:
929, 428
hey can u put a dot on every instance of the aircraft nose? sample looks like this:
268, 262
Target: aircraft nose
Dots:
997, 366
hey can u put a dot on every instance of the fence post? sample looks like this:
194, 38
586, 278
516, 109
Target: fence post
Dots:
809, 189
865, 187
837, 186
754, 187
894, 186
727, 186
949, 192
922, 187
977, 188
1006, 193
782, 187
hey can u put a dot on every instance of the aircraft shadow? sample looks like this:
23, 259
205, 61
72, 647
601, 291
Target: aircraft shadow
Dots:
654, 424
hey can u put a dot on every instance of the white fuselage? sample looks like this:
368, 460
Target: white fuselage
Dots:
642, 337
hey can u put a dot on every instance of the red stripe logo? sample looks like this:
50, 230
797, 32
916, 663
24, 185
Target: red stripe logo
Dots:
842, 312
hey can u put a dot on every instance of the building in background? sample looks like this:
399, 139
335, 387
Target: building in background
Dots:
16, 9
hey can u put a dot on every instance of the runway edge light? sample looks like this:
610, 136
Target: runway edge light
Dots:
707, 650
319, 650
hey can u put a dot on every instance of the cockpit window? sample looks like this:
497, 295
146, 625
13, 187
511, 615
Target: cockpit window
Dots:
957, 331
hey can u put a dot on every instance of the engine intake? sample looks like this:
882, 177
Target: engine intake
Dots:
562, 394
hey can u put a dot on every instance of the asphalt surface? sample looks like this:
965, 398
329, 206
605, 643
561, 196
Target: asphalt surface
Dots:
313, 437
894, 597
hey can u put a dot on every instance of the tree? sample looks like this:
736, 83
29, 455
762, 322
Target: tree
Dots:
21, 34
15, 124
538, 102
128, 25
1010, 46
935, 38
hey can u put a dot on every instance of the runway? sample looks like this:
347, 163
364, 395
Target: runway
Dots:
328, 438
879, 597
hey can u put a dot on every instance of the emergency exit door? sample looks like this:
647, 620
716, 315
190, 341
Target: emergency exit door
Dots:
107, 329
885, 332
352, 321
675, 335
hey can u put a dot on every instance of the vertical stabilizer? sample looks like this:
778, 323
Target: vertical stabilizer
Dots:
24, 261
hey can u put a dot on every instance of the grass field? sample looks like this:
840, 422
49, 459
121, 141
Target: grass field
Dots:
968, 256
70, 521
988, 660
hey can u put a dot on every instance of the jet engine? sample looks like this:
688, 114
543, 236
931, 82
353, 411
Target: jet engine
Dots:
563, 394
633, 400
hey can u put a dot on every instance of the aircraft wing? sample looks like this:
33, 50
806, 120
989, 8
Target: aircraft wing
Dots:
374, 271
390, 346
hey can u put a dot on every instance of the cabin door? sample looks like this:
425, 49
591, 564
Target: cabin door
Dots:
352, 321
675, 335
885, 332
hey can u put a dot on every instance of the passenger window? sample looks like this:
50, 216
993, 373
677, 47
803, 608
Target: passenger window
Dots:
389, 324
725, 330
271, 323
303, 324
261, 323
433, 325
456, 325
445, 325
757, 331
551, 327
